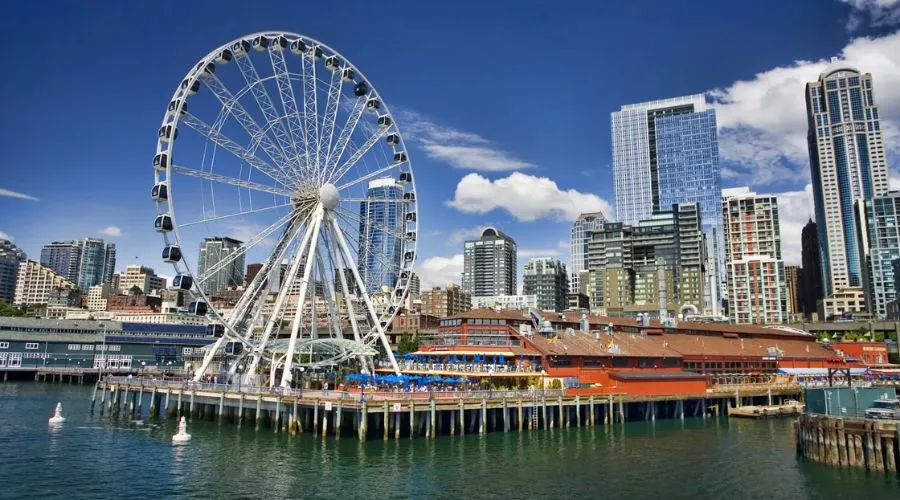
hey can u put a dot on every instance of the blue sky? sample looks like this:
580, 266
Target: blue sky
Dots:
506, 109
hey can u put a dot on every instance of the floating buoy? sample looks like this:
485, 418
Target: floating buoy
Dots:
182, 436
57, 417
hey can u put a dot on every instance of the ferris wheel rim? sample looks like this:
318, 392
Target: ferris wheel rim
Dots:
174, 237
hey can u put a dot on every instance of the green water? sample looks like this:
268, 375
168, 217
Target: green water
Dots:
98, 457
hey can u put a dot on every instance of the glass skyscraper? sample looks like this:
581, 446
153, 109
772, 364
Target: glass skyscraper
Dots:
85, 263
666, 152
212, 251
879, 240
581, 235
847, 160
380, 223
10, 259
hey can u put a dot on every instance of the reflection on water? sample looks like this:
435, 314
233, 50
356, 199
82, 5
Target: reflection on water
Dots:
94, 456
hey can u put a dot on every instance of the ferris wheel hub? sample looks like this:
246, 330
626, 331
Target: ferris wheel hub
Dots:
329, 196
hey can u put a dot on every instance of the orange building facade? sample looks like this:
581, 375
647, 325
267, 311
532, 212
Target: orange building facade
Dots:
597, 355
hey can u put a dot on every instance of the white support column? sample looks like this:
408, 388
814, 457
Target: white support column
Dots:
365, 295
330, 300
282, 294
304, 285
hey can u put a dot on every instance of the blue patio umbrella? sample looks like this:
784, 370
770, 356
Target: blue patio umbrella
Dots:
502, 359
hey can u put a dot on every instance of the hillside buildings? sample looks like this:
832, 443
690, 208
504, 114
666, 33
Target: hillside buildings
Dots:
36, 282
142, 277
85, 263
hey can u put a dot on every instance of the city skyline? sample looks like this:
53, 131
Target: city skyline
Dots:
460, 191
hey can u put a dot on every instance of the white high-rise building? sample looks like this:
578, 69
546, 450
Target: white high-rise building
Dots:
579, 245
754, 269
142, 277
489, 265
220, 276
35, 283
847, 162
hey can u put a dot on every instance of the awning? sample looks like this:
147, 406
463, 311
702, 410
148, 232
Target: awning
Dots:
820, 371
465, 353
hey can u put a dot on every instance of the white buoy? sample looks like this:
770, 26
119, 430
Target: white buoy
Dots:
57, 417
182, 436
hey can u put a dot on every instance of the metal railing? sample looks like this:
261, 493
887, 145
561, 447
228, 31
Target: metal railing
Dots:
333, 395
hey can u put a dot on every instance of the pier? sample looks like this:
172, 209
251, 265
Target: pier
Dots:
849, 442
392, 415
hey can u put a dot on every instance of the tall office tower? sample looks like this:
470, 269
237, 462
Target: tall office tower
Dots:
213, 276
415, 284
878, 221
581, 229
379, 222
63, 257
10, 259
489, 265
667, 152
847, 160
546, 277
811, 289
97, 263
754, 269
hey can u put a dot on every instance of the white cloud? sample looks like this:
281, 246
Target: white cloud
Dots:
14, 194
439, 271
525, 197
111, 231
762, 121
461, 235
4, 236
876, 12
457, 148
795, 209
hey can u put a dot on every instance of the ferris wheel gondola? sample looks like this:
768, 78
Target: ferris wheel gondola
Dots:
276, 160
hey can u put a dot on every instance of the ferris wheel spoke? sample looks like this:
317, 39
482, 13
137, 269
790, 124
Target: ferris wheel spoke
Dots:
342, 244
338, 264
242, 249
261, 96
332, 311
310, 109
356, 155
328, 119
286, 91
236, 214
224, 179
241, 153
352, 217
346, 133
258, 136
366, 248
371, 175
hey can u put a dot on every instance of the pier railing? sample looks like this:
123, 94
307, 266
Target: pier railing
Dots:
335, 395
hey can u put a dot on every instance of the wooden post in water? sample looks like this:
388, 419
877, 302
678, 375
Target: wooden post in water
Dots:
258, 410
452, 423
295, 420
386, 423
610, 414
544, 411
129, 405
363, 420
433, 420
166, 407
221, 408
240, 418
191, 409
397, 424
591, 417
315, 422
483, 427
505, 415
276, 425
621, 410
153, 403
337, 419
180, 403
860, 453
879, 456
412, 419
841, 444
140, 399
519, 415
462, 419
577, 411
833, 456
325, 420
870, 447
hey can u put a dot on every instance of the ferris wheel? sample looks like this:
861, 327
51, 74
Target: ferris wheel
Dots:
278, 156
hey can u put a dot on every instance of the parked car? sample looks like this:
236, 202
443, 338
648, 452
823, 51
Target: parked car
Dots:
884, 409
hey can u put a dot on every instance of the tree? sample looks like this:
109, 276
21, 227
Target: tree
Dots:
8, 310
135, 290
408, 343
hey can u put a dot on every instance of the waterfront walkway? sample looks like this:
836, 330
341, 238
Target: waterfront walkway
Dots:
366, 414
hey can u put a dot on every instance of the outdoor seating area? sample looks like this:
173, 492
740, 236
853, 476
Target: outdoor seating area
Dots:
477, 363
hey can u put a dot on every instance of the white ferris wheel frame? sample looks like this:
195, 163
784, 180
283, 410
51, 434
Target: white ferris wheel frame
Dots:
293, 129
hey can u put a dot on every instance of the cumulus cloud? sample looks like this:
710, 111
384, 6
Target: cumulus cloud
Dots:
468, 234
111, 231
525, 197
15, 194
457, 148
439, 271
762, 121
4, 236
795, 209
875, 13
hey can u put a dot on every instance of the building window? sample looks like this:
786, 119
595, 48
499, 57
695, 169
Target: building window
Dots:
74, 347
31, 345
187, 350
87, 347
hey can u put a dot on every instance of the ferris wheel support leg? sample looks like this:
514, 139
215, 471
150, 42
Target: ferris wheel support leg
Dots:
330, 300
365, 295
207, 359
282, 294
316, 224
351, 309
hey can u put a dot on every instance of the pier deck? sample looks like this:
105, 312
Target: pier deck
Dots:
410, 414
